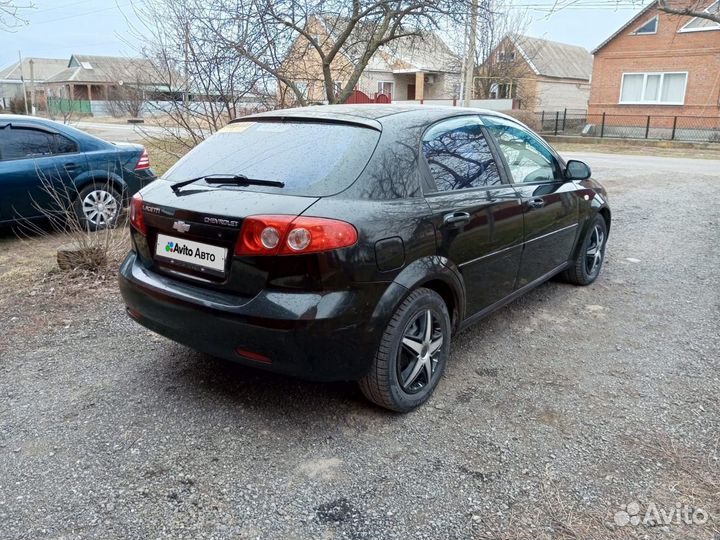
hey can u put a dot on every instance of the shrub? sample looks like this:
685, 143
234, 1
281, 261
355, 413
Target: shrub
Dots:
17, 105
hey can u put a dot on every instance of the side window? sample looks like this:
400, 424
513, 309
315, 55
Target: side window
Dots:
21, 143
63, 145
527, 158
458, 155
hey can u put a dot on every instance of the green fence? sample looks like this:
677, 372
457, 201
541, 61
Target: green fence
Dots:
66, 106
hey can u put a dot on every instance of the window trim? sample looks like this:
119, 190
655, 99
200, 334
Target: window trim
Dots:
429, 180
56, 137
392, 87
637, 32
40, 129
559, 162
645, 78
685, 30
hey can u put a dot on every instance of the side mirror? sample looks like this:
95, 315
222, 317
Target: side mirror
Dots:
577, 170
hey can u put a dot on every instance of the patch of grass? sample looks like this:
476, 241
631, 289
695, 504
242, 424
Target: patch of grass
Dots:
164, 153
637, 150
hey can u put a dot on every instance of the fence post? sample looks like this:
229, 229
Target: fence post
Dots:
557, 118
602, 126
542, 118
564, 118
672, 137
647, 126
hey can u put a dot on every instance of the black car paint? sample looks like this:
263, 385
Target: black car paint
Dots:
23, 190
321, 316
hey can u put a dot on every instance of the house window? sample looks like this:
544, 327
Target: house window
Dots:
504, 56
698, 24
653, 88
650, 27
385, 87
303, 87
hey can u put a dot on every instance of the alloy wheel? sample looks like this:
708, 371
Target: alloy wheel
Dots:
100, 208
594, 253
419, 352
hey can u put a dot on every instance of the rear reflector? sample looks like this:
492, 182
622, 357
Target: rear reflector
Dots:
137, 220
290, 235
143, 162
253, 356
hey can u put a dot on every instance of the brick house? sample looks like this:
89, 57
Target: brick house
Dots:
659, 64
409, 68
540, 75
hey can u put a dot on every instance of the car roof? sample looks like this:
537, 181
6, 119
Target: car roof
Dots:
370, 115
26, 119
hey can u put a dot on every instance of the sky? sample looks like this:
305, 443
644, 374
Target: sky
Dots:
59, 28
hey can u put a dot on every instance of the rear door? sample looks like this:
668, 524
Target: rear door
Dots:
36, 167
476, 213
550, 206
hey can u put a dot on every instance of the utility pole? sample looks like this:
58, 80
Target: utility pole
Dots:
32, 86
470, 58
22, 79
186, 46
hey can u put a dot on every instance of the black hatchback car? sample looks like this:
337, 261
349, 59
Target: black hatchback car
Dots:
352, 242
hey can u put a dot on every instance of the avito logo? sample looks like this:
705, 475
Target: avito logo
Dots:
181, 249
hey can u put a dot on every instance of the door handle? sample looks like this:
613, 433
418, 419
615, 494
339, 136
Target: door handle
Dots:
456, 218
70, 167
536, 203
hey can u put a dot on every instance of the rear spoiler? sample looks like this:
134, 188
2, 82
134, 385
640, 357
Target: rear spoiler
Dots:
315, 118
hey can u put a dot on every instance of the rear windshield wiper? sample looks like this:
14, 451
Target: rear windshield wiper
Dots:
234, 179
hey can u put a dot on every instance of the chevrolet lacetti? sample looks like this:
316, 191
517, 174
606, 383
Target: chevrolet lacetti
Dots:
352, 242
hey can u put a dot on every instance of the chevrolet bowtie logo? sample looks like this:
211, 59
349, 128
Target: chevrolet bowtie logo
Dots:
181, 226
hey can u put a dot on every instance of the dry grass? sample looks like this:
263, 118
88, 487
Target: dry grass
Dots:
164, 153
637, 150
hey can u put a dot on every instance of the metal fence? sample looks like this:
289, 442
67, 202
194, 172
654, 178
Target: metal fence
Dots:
630, 126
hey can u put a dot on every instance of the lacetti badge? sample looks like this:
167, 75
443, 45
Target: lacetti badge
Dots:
181, 249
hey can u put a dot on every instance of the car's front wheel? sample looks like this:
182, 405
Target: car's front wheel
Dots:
586, 267
412, 355
98, 207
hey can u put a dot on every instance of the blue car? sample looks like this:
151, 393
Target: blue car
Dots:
43, 162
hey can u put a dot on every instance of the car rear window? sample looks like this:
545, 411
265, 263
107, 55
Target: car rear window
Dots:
311, 158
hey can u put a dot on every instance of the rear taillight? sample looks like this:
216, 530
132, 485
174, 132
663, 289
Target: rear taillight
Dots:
143, 162
137, 219
289, 235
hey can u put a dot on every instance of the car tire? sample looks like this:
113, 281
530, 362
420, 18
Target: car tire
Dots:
585, 269
98, 206
410, 360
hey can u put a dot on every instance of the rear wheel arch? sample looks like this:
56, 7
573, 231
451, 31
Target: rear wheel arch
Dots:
435, 273
101, 179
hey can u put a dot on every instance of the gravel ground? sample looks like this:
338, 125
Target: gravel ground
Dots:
553, 414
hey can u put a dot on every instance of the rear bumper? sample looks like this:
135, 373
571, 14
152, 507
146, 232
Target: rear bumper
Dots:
313, 335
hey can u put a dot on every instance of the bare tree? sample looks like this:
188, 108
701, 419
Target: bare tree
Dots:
11, 14
502, 72
199, 82
696, 8
127, 99
283, 38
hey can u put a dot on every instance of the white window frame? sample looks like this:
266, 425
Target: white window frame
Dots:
657, 24
645, 78
685, 30
392, 87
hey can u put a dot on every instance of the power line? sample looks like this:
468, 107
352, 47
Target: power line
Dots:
83, 14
